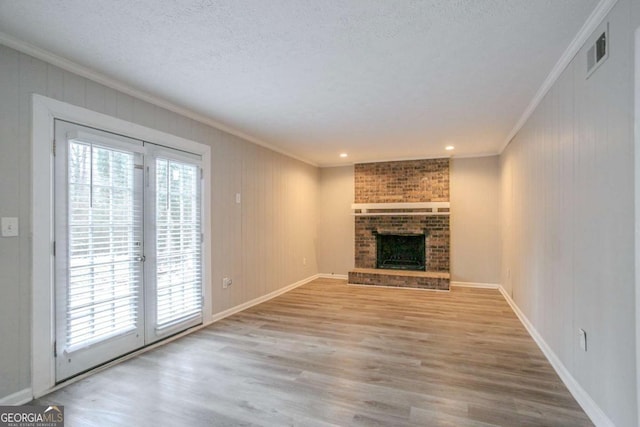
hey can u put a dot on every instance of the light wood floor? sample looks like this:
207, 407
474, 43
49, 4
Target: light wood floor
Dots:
331, 354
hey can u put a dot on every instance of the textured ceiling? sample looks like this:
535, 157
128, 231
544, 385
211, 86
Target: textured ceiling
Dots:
379, 79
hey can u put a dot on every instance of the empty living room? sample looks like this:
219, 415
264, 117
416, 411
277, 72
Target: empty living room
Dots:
320, 213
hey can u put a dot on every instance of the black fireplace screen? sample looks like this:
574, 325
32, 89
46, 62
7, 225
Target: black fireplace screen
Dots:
401, 252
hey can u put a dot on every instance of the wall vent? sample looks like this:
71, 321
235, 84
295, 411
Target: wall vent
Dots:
598, 52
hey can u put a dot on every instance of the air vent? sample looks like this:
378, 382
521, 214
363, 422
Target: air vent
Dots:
598, 52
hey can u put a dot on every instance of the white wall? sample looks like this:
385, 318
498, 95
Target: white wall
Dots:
259, 243
568, 221
475, 237
336, 227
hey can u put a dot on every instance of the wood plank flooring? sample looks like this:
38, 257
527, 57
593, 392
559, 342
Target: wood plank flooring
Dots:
332, 354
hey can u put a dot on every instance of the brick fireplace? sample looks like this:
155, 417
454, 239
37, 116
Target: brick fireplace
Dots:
408, 198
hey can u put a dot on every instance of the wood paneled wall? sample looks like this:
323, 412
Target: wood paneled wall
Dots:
259, 243
568, 221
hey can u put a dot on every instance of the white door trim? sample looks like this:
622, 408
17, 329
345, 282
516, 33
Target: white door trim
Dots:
44, 110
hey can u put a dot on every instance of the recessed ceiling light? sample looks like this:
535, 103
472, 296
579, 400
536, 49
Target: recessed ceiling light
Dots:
343, 155
449, 147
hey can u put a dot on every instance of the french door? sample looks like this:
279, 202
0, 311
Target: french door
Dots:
128, 245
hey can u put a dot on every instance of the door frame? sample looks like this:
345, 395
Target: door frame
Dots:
44, 111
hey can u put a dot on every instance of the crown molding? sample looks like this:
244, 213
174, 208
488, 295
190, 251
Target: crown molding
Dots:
596, 17
405, 159
104, 80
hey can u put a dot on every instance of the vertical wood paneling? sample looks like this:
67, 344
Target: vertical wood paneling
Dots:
73, 89
95, 97
111, 102
124, 107
260, 222
33, 79
12, 278
255, 243
564, 288
248, 228
144, 113
224, 217
55, 82
162, 119
568, 222
279, 218
237, 182
269, 213
182, 126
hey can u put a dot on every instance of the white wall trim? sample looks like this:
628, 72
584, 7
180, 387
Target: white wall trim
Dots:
596, 17
476, 285
216, 317
404, 159
590, 407
598, 14
238, 308
18, 398
333, 276
98, 77
44, 110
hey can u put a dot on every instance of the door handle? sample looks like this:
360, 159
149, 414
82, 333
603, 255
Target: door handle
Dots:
140, 258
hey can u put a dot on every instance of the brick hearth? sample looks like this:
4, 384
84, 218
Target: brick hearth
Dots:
400, 278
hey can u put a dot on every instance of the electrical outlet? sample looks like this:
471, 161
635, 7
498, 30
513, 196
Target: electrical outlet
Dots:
226, 282
583, 339
9, 227
304, 261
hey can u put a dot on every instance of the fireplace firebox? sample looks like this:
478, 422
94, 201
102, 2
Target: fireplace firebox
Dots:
401, 251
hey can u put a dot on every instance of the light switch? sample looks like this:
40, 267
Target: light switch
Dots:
238, 198
9, 227
583, 339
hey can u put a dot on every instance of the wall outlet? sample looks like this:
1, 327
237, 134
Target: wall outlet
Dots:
226, 282
583, 339
304, 261
9, 227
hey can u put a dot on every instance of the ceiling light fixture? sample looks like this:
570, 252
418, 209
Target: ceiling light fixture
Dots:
449, 147
343, 155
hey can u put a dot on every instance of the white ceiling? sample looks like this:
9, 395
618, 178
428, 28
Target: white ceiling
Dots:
379, 79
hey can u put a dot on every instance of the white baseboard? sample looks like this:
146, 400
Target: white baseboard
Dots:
18, 398
238, 308
590, 407
476, 285
213, 319
333, 276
